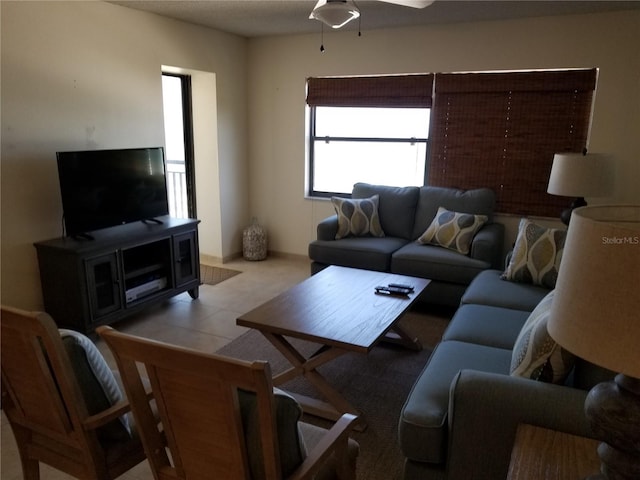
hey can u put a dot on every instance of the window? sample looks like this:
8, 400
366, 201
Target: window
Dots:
487, 129
176, 93
366, 144
367, 129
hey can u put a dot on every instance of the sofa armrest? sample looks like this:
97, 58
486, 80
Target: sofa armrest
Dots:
327, 228
485, 410
487, 244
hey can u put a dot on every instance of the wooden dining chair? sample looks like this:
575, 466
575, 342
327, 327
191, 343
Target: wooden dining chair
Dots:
220, 417
63, 407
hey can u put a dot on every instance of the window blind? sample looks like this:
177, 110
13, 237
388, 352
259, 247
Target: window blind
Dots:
501, 130
371, 91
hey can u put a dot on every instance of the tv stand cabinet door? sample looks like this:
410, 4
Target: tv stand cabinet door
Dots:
103, 285
186, 258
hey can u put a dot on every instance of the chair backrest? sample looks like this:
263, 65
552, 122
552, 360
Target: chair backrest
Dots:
197, 399
43, 401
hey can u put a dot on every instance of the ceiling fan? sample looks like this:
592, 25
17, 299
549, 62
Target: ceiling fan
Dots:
337, 13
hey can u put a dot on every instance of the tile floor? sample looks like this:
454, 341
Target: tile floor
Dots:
206, 324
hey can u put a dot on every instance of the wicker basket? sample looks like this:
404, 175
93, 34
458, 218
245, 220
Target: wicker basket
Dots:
254, 242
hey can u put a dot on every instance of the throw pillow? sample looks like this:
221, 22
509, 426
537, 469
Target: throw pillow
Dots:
453, 230
98, 384
357, 217
535, 354
291, 444
536, 255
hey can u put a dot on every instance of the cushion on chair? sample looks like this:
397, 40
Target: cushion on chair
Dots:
291, 443
97, 382
357, 218
535, 354
453, 230
536, 255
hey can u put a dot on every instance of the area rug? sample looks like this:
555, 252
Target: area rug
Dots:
211, 275
377, 384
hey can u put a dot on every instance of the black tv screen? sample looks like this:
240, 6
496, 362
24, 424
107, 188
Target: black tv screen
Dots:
104, 188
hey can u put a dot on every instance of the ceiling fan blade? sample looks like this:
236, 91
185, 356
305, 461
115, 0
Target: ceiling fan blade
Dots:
410, 3
318, 5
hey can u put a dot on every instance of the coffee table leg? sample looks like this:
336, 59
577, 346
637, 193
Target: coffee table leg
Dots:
399, 335
336, 404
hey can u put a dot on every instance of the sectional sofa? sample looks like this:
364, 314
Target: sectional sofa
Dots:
460, 419
388, 238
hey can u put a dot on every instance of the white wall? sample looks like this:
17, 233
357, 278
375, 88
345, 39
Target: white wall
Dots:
278, 67
87, 75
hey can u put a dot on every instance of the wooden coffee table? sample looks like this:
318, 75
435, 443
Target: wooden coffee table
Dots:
338, 309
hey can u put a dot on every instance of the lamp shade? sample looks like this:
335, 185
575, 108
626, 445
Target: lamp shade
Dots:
578, 175
335, 13
596, 308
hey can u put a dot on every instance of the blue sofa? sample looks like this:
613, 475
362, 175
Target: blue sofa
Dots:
460, 419
405, 213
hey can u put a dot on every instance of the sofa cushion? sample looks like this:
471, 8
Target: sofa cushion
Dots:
480, 201
396, 208
436, 263
358, 252
489, 289
423, 420
357, 218
535, 354
453, 230
486, 325
536, 255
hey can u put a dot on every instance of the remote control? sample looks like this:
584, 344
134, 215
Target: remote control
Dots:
393, 291
401, 285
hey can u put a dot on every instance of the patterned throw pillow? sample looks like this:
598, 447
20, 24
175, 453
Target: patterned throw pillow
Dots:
357, 218
453, 230
535, 354
536, 255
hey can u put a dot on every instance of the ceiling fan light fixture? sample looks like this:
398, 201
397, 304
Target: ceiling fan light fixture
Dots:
336, 14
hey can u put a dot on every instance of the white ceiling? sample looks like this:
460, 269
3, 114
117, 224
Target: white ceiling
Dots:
255, 18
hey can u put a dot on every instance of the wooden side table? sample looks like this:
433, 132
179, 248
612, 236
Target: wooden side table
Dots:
543, 454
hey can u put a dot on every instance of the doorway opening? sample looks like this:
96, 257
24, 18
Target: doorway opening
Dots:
178, 131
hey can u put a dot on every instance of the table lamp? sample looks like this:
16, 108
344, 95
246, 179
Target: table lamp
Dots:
580, 175
596, 315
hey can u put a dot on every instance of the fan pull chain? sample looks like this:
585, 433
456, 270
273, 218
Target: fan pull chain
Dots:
321, 37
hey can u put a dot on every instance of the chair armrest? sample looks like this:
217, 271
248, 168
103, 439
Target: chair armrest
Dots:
105, 416
114, 412
327, 228
485, 410
335, 441
487, 244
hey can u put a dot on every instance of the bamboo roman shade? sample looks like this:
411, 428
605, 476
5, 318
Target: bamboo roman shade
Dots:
371, 91
501, 130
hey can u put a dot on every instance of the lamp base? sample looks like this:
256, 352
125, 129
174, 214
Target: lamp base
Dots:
613, 410
565, 216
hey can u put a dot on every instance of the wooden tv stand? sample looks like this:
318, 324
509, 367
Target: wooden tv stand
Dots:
123, 269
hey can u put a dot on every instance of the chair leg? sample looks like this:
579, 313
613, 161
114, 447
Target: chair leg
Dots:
30, 467
345, 468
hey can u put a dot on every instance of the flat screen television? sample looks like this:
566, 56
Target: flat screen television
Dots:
104, 188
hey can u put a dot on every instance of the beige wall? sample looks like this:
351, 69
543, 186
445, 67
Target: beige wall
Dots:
85, 75
278, 67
